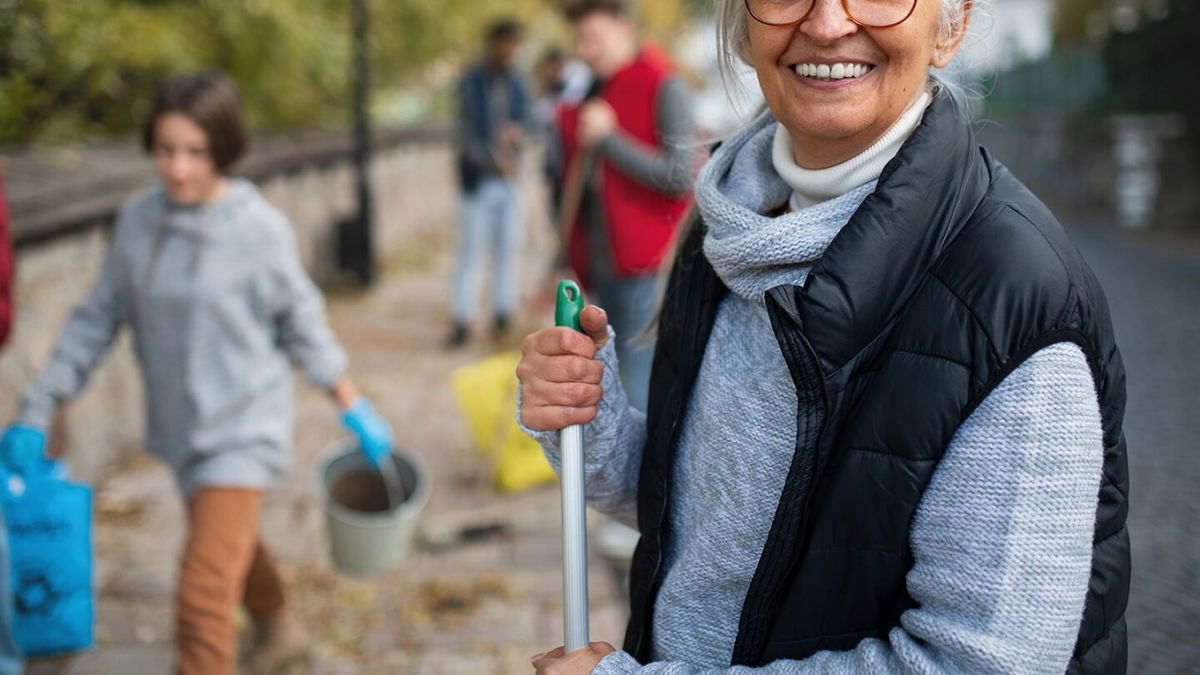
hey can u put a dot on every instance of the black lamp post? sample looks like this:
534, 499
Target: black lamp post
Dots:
355, 247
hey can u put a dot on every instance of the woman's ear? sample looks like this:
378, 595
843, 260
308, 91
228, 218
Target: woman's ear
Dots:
950, 40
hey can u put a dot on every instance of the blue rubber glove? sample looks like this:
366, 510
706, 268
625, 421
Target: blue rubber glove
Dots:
22, 446
373, 432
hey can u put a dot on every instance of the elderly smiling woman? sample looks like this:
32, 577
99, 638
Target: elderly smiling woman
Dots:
884, 425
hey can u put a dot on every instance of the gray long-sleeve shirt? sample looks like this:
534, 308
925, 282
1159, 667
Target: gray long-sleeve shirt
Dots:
217, 301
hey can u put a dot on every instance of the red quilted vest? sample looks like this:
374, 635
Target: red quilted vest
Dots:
641, 220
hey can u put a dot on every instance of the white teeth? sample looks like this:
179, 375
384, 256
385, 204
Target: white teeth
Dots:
837, 71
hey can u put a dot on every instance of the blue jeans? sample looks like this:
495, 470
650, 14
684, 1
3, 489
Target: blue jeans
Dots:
491, 223
631, 304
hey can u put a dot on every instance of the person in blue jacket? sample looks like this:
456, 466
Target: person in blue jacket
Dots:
206, 274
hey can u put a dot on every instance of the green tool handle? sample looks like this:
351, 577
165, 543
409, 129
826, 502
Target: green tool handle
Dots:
568, 305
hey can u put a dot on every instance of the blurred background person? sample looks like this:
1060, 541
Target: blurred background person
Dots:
206, 274
493, 112
629, 154
7, 296
10, 654
551, 84
561, 81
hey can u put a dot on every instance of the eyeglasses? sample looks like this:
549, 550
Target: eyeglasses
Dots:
868, 13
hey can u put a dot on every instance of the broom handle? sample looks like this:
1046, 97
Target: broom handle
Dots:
574, 513
572, 200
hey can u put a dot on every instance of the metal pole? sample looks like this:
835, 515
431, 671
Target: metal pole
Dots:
574, 511
574, 514
361, 259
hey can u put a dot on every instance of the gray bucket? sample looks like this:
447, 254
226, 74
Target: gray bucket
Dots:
367, 537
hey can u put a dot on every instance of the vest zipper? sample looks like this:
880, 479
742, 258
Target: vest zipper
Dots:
766, 584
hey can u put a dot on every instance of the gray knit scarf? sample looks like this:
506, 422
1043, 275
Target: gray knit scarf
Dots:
751, 250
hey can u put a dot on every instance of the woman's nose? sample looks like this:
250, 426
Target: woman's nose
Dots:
827, 22
180, 166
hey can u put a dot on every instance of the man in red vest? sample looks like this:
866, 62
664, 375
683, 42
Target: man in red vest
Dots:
629, 160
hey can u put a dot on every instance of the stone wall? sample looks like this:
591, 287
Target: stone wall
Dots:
60, 247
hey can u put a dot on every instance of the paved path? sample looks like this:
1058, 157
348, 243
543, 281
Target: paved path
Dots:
1153, 289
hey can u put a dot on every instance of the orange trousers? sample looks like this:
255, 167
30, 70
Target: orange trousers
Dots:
224, 564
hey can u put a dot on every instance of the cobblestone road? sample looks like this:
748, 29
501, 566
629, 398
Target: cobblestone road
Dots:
1153, 290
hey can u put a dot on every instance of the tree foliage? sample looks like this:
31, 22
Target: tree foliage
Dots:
81, 68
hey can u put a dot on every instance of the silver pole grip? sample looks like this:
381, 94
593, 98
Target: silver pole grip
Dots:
574, 524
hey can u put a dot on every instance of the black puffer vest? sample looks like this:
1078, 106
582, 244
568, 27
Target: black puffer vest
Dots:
949, 276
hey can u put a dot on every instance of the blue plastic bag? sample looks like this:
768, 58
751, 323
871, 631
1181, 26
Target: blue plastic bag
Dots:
49, 522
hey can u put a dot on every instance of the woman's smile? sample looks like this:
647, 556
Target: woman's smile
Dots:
831, 73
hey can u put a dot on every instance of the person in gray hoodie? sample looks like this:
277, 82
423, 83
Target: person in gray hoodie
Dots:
206, 274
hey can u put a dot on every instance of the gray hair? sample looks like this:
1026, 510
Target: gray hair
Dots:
732, 39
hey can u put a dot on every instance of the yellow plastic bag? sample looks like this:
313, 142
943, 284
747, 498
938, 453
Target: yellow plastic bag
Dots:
487, 396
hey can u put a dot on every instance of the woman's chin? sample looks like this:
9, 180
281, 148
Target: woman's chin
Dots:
184, 197
817, 127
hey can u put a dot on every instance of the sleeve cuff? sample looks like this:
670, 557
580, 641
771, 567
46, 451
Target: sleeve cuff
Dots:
325, 371
617, 663
549, 440
36, 411
614, 402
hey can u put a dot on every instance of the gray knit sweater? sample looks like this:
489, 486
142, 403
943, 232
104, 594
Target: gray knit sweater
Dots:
217, 301
1001, 540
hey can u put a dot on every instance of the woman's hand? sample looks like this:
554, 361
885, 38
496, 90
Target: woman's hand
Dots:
560, 376
581, 661
374, 434
22, 446
597, 120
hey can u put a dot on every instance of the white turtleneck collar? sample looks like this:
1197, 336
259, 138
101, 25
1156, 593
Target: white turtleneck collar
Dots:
814, 186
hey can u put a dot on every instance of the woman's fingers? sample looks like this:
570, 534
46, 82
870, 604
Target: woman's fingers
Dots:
560, 369
559, 391
552, 654
558, 341
553, 418
580, 661
594, 322
569, 394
